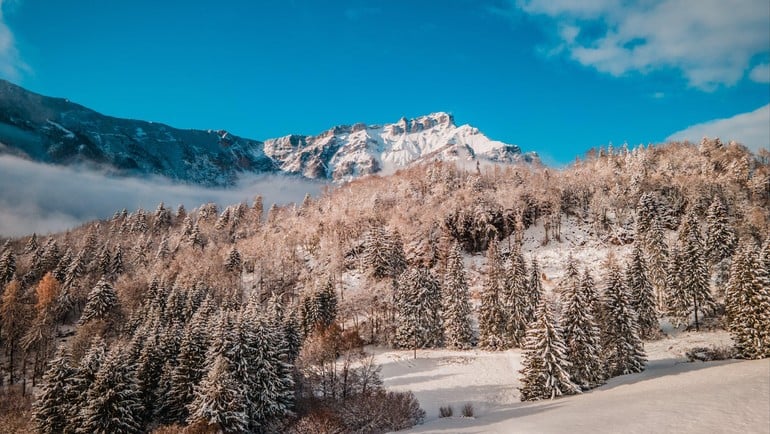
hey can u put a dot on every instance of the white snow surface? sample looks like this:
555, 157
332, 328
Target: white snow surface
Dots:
344, 152
671, 395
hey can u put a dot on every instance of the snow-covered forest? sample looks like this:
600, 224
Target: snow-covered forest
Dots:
232, 318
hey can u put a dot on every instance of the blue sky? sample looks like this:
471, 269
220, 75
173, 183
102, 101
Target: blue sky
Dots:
557, 77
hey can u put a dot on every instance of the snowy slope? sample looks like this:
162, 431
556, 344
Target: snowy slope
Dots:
672, 395
344, 152
55, 130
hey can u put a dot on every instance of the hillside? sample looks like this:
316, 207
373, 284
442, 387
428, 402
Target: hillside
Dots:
435, 257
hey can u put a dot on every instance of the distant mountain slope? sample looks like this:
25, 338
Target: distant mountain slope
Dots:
350, 151
58, 131
55, 130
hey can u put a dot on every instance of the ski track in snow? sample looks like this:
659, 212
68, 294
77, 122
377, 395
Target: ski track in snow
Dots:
671, 395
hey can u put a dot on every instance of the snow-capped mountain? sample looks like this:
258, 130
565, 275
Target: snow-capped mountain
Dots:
55, 130
349, 151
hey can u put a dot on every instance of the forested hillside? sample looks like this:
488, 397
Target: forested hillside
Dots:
242, 319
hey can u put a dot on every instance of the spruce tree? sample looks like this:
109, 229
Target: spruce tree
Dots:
101, 302
545, 372
690, 292
657, 253
581, 333
57, 395
418, 306
720, 236
516, 299
492, 318
747, 304
234, 262
7, 267
114, 403
534, 290
456, 303
220, 399
83, 378
642, 295
623, 348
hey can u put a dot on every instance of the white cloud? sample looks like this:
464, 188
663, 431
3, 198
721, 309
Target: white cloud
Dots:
751, 129
11, 64
41, 198
712, 42
760, 73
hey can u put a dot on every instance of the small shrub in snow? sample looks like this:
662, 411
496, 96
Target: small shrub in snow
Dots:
468, 410
445, 411
704, 354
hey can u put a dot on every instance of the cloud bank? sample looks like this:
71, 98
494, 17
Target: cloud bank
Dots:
41, 198
751, 129
712, 42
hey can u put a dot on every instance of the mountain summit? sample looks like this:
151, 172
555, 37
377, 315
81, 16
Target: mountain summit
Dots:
55, 130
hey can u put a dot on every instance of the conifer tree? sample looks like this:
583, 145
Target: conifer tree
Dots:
220, 400
117, 261
31, 245
516, 299
57, 395
656, 250
114, 403
720, 236
456, 303
189, 369
233, 262
581, 333
747, 304
642, 295
7, 267
492, 318
418, 306
534, 290
101, 302
690, 292
545, 372
83, 378
623, 349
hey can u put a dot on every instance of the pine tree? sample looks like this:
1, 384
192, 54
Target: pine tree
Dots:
418, 306
456, 303
57, 395
162, 219
623, 349
545, 365
581, 333
516, 299
747, 304
720, 236
101, 302
492, 318
114, 403
642, 295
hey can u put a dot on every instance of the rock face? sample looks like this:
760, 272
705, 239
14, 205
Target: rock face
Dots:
345, 152
54, 130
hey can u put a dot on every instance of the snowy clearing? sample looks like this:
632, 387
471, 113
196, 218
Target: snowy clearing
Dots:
671, 395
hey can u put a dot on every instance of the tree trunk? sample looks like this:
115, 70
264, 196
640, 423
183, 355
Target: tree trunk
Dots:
697, 327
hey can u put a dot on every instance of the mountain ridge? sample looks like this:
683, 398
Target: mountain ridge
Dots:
58, 131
